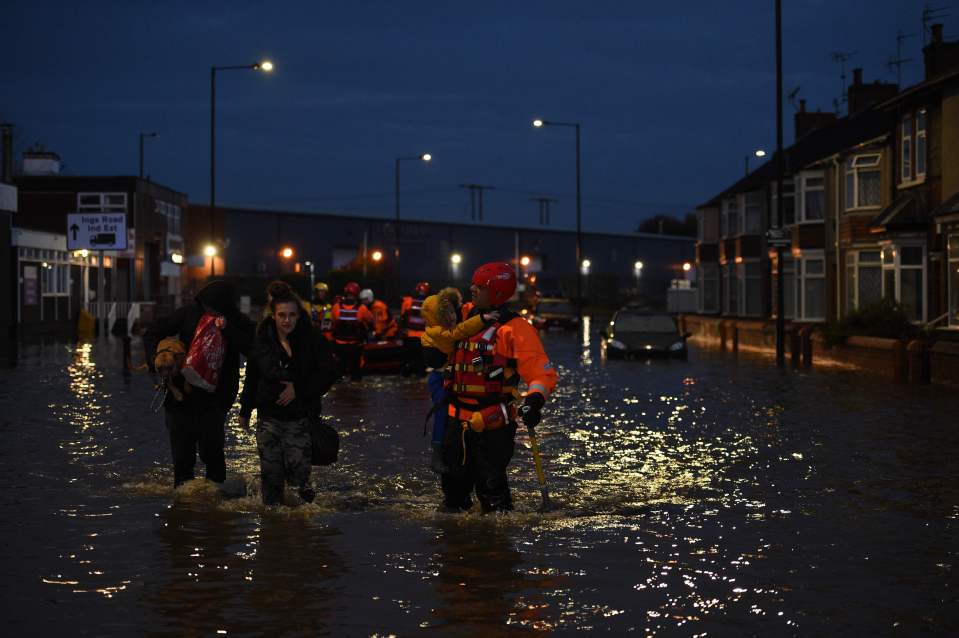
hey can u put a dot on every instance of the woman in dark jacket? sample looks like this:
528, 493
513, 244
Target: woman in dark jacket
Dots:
289, 370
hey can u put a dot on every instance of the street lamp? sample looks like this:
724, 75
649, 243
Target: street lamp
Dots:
376, 256
266, 67
456, 259
538, 123
142, 137
424, 157
286, 253
758, 153
524, 261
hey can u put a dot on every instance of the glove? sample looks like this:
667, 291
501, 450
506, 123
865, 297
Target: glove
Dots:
531, 410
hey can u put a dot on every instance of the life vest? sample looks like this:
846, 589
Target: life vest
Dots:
413, 318
478, 377
348, 328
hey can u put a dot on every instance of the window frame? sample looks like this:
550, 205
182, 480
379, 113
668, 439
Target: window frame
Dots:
854, 261
897, 267
920, 133
854, 167
802, 275
800, 211
710, 277
103, 205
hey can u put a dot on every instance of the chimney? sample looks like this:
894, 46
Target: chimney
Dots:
940, 56
6, 153
861, 96
37, 161
805, 122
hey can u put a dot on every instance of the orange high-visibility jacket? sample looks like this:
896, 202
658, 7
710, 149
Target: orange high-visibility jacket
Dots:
362, 316
407, 310
384, 325
519, 341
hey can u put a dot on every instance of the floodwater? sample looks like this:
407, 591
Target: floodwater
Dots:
715, 496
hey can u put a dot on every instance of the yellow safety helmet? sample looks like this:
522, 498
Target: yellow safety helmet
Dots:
321, 286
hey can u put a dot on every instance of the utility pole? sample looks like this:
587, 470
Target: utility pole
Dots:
476, 195
780, 166
544, 203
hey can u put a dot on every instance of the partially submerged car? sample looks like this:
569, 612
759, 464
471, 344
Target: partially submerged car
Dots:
642, 333
555, 313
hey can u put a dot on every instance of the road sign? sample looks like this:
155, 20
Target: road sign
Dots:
96, 231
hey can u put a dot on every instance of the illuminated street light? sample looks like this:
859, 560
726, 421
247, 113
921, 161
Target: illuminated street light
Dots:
758, 153
456, 258
266, 66
209, 250
426, 157
287, 253
587, 263
84, 253
638, 265
687, 267
377, 255
524, 261
538, 123
176, 258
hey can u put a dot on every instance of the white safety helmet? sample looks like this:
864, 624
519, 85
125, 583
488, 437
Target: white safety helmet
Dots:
366, 295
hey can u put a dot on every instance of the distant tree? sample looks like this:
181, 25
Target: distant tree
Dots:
669, 225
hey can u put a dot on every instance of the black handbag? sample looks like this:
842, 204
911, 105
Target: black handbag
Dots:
326, 442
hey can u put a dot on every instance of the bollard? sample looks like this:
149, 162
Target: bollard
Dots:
805, 344
917, 362
795, 347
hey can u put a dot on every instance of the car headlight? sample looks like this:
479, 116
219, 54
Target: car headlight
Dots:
615, 343
676, 347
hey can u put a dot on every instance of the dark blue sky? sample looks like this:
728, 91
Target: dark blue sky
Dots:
671, 96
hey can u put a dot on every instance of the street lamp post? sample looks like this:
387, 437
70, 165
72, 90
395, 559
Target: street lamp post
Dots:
758, 153
266, 66
579, 211
780, 167
142, 137
425, 157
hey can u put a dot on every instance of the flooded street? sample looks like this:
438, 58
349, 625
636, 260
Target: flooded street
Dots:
712, 496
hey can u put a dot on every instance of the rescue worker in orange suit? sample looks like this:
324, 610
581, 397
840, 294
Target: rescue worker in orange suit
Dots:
321, 310
352, 321
384, 325
483, 384
412, 325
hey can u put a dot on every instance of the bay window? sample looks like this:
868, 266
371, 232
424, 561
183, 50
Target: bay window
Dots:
752, 213
913, 146
904, 278
789, 204
863, 278
811, 287
709, 288
730, 217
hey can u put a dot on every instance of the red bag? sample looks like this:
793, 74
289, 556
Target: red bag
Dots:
205, 356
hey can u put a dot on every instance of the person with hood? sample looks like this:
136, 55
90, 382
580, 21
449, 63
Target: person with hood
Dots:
441, 312
197, 422
290, 368
485, 399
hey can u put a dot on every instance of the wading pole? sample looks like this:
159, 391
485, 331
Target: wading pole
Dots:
540, 475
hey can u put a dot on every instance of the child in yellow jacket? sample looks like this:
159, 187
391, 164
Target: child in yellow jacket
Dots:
441, 312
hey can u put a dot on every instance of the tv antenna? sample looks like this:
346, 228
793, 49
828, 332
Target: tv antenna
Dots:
929, 15
792, 98
842, 58
898, 61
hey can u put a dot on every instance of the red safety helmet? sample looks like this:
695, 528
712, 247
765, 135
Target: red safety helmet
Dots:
497, 277
423, 288
351, 289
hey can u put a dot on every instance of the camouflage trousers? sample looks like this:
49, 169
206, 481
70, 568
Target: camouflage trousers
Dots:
285, 449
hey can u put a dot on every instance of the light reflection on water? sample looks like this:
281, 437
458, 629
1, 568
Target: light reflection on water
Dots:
699, 497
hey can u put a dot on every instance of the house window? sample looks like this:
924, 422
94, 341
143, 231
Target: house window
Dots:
954, 280
812, 197
863, 182
905, 149
752, 213
904, 277
730, 290
709, 288
811, 287
731, 217
863, 278
921, 144
789, 204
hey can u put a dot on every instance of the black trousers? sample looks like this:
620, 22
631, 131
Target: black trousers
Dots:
483, 470
194, 428
348, 357
413, 362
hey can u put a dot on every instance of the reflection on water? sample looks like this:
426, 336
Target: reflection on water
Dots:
709, 497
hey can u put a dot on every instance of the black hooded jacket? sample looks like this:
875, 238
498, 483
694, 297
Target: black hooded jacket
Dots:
311, 369
218, 296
